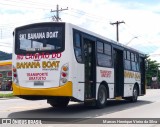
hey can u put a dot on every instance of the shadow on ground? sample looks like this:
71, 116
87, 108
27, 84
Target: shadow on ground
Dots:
77, 111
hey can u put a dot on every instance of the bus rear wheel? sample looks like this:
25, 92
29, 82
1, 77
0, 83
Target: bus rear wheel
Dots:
59, 102
102, 97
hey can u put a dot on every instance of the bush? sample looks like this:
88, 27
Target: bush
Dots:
9, 95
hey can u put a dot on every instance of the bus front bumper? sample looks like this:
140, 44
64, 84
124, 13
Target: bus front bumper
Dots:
65, 90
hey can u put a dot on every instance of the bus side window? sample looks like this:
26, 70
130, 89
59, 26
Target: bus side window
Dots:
77, 40
104, 58
77, 47
137, 62
127, 61
78, 53
107, 49
125, 55
133, 63
99, 47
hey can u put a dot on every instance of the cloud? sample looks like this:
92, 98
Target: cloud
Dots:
141, 18
141, 22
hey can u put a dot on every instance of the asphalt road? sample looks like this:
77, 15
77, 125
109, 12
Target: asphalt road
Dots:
148, 106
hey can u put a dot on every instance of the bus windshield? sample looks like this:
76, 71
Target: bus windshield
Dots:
39, 39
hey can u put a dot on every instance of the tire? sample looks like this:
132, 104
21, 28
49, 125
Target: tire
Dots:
102, 97
59, 102
135, 95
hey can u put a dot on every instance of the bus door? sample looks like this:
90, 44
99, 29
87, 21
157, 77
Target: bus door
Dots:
118, 72
142, 71
89, 68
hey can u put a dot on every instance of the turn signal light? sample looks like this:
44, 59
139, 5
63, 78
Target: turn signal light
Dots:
14, 70
65, 68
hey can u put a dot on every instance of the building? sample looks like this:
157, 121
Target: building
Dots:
5, 75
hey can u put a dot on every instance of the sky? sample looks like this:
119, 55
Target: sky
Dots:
141, 29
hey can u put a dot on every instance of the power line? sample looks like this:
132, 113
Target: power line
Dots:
7, 29
90, 15
16, 5
57, 18
30, 3
10, 25
6, 46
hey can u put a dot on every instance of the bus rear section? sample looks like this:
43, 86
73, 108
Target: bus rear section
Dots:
40, 63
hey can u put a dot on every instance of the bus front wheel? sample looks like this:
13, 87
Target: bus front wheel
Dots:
59, 102
134, 95
102, 97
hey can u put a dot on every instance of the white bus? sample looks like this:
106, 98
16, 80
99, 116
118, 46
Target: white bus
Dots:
62, 62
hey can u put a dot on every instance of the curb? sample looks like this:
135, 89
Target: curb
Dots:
5, 92
4, 98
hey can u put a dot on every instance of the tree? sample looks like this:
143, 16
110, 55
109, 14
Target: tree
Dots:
5, 56
152, 70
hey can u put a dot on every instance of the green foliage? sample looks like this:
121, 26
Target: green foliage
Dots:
152, 70
9, 95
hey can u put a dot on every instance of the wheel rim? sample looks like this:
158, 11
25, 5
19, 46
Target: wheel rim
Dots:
102, 96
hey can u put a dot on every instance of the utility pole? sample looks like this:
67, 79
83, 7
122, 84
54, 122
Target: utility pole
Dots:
117, 24
57, 18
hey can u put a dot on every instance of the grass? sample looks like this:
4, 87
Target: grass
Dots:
9, 95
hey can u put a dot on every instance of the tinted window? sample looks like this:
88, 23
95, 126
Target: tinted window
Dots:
78, 54
39, 38
125, 55
134, 68
127, 65
137, 66
131, 61
132, 57
104, 60
136, 58
77, 46
107, 49
128, 55
25, 44
77, 40
100, 47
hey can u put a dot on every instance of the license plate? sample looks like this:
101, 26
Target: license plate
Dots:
39, 83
